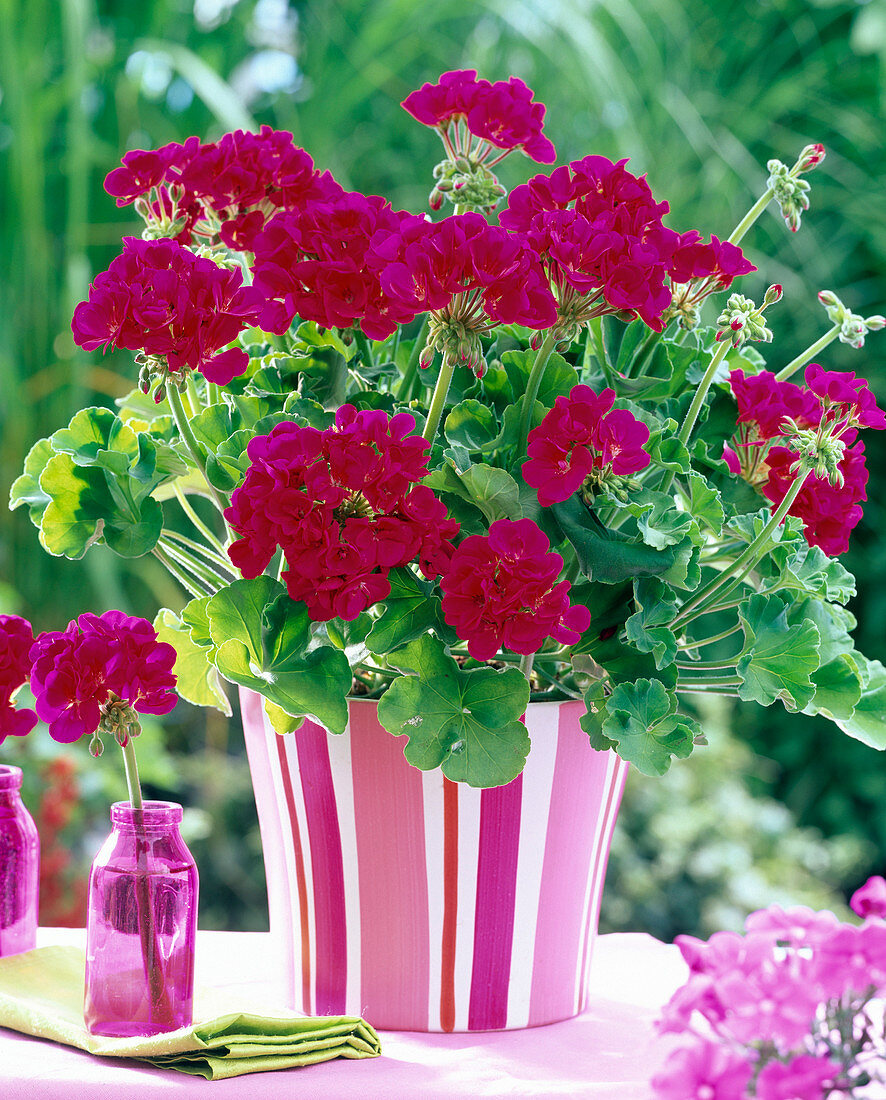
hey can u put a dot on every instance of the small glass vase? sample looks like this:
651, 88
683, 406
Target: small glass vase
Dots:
19, 867
141, 925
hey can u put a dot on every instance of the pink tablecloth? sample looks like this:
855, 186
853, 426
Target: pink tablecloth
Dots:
608, 1053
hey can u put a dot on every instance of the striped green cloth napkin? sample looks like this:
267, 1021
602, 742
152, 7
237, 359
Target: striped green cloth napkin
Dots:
41, 993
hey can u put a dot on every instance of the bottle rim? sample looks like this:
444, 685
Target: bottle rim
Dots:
10, 777
154, 813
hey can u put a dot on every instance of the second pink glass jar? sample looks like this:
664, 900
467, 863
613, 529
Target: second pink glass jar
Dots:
19, 867
141, 925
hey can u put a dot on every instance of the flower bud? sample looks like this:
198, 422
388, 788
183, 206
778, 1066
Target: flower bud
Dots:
773, 294
426, 357
96, 748
810, 157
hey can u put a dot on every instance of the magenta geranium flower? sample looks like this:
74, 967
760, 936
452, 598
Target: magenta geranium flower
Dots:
582, 434
502, 115
16, 639
806, 1077
705, 1070
870, 900
97, 660
345, 507
160, 299
845, 398
501, 589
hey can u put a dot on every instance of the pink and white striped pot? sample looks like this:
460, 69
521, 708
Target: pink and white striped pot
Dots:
426, 905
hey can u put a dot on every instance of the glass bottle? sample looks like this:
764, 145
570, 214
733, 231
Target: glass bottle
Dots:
141, 925
19, 867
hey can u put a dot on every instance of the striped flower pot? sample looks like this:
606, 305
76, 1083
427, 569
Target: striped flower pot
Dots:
426, 905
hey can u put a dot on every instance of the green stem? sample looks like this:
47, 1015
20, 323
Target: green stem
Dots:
182, 578
366, 356
706, 666
190, 441
198, 569
410, 375
752, 553
535, 377
644, 351
526, 664
193, 396
702, 391
806, 356
213, 393
438, 401
702, 687
216, 559
130, 767
191, 513
692, 643
748, 220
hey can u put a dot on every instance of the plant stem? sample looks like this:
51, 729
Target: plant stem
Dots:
526, 664
693, 644
644, 352
130, 767
219, 560
805, 356
202, 572
190, 441
182, 578
535, 376
702, 391
748, 220
438, 401
213, 393
702, 687
191, 513
193, 396
706, 666
366, 356
752, 553
410, 376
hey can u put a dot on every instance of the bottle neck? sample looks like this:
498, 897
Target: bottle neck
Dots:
10, 786
153, 819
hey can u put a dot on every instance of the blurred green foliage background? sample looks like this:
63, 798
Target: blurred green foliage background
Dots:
699, 94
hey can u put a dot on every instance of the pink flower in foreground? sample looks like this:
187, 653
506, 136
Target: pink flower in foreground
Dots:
844, 397
704, 1071
345, 507
96, 660
160, 299
16, 639
582, 433
765, 403
870, 900
503, 115
806, 1077
501, 589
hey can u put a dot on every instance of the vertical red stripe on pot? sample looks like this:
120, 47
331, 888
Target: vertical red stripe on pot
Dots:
450, 903
395, 957
494, 911
579, 789
327, 872
299, 875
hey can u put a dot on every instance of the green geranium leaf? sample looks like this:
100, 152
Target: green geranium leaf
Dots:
647, 629
409, 611
133, 536
87, 434
196, 618
705, 503
834, 624
557, 381
308, 336
777, 659
78, 502
26, 488
868, 721
282, 722
803, 568
594, 717
838, 688
307, 412
471, 424
197, 677
466, 723
262, 638
665, 449
494, 492
646, 728
659, 522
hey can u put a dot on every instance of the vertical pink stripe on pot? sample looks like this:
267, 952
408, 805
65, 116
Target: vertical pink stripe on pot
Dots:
450, 904
299, 875
327, 873
389, 814
494, 910
579, 790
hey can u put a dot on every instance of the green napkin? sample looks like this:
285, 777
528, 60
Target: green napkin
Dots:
41, 993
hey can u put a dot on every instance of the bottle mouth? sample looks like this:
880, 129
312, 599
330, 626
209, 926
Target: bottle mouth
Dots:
10, 777
152, 814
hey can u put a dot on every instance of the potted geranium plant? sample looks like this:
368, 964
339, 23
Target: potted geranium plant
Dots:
454, 466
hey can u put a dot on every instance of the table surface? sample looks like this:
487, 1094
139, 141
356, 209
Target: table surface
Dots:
607, 1053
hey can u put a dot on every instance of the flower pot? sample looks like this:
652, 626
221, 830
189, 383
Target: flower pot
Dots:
426, 905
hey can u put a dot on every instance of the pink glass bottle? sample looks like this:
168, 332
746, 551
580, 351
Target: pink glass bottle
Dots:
19, 867
141, 925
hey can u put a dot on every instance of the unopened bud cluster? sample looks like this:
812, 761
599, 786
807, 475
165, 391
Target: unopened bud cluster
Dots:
853, 328
118, 720
790, 191
155, 371
456, 342
161, 213
816, 451
742, 320
466, 183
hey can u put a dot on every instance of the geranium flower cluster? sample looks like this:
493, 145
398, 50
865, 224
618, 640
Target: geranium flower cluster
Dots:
325, 261
501, 589
16, 639
780, 1013
502, 115
177, 309
344, 506
772, 412
230, 187
98, 665
583, 436
605, 247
